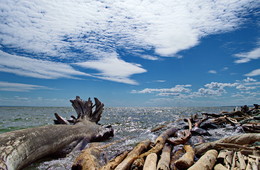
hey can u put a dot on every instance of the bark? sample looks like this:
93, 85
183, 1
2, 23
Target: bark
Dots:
206, 162
150, 162
238, 139
164, 162
187, 159
22, 147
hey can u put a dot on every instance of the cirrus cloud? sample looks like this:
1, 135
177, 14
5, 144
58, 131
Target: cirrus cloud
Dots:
77, 31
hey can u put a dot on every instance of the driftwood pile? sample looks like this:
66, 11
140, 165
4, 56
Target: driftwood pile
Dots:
20, 148
185, 148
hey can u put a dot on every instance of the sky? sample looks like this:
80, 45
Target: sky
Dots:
139, 53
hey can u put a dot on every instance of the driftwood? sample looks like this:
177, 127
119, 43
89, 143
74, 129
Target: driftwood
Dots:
178, 151
220, 167
165, 159
206, 162
112, 164
160, 141
22, 147
150, 162
248, 138
187, 159
126, 163
88, 159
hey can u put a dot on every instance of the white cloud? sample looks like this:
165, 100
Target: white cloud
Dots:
166, 91
253, 73
217, 85
114, 69
212, 71
36, 68
213, 89
149, 57
80, 31
249, 79
19, 87
248, 56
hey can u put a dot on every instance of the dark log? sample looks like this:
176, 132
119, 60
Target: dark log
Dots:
23, 147
238, 139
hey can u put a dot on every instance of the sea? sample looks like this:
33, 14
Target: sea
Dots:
131, 126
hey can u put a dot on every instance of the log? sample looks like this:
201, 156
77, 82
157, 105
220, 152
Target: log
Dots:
233, 165
229, 158
160, 141
164, 162
181, 140
241, 161
178, 151
220, 167
221, 156
238, 139
187, 159
150, 162
23, 147
112, 164
206, 162
126, 163
138, 164
88, 159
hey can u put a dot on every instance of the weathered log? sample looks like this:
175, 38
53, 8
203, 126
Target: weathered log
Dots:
159, 144
150, 162
238, 139
160, 141
182, 140
60, 120
231, 146
206, 162
241, 161
22, 147
229, 158
220, 167
88, 159
233, 165
112, 164
164, 162
126, 163
178, 151
187, 159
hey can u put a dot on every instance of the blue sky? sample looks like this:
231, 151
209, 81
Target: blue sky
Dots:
130, 52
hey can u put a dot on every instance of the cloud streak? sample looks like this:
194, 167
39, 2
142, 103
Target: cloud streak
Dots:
64, 32
19, 87
25, 66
